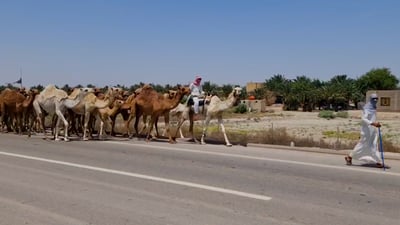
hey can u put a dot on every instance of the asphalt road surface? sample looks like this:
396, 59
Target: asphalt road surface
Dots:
122, 181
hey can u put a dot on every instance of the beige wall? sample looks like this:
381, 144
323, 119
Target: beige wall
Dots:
251, 86
255, 105
389, 100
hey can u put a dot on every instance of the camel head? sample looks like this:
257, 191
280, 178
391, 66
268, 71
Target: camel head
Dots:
185, 90
80, 92
171, 94
236, 94
237, 91
118, 103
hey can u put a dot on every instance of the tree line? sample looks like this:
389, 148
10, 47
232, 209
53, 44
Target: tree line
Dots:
340, 92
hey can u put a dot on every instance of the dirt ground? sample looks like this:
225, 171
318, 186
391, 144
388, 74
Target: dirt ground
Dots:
309, 125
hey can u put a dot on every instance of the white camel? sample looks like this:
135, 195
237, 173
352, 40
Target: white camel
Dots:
212, 110
56, 101
215, 110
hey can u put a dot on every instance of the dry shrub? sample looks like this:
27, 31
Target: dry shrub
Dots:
277, 136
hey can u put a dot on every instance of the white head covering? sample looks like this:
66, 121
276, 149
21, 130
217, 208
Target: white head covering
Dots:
371, 105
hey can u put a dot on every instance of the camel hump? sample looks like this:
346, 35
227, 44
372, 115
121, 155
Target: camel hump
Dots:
51, 91
74, 93
49, 88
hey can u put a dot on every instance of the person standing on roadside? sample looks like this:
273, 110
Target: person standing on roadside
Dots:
367, 147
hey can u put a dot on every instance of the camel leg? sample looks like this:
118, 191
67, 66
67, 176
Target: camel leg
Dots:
39, 117
178, 127
113, 119
205, 126
156, 127
40, 120
128, 122
85, 126
145, 124
151, 124
132, 114
167, 129
101, 130
137, 117
220, 122
61, 117
191, 124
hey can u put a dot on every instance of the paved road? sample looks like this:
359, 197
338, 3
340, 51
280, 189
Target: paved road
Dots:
133, 182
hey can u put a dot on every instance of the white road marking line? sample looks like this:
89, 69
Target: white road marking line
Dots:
142, 176
257, 158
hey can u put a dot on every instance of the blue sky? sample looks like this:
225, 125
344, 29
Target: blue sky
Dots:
168, 42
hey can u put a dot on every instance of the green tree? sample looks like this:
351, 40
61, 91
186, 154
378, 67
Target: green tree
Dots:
39, 87
210, 88
303, 92
377, 79
226, 89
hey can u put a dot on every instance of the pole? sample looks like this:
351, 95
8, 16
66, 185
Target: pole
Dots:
381, 148
20, 73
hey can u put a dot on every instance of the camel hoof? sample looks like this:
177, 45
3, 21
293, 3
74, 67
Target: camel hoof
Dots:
57, 139
66, 139
85, 139
229, 145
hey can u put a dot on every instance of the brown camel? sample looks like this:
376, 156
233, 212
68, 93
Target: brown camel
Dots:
150, 103
27, 111
9, 102
90, 103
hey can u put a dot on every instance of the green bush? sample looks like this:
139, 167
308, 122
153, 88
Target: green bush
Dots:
241, 108
327, 114
342, 114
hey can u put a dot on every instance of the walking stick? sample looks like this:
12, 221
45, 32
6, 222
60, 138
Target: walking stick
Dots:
381, 148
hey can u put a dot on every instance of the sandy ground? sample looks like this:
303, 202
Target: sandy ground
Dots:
309, 125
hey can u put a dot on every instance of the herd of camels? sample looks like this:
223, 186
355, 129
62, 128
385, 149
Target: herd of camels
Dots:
21, 110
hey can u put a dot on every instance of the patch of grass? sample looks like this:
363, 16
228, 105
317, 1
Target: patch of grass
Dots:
342, 114
342, 135
329, 114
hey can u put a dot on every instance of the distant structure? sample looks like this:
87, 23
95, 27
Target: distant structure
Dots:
389, 100
252, 86
257, 105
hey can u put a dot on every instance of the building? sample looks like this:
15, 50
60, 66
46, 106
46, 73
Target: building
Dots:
257, 105
389, 100
251, 86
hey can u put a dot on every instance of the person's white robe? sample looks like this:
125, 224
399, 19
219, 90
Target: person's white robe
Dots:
367, 148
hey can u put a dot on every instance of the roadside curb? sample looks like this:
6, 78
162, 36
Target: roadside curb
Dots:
388, 155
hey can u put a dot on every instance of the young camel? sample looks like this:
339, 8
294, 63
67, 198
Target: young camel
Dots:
124, 110
90, 103
150, 103
56, 101
104, 114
